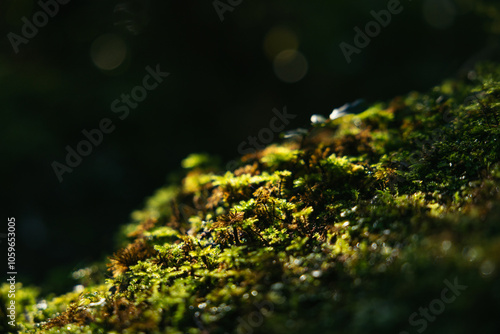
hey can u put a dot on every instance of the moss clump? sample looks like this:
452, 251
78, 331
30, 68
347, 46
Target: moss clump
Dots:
380, 222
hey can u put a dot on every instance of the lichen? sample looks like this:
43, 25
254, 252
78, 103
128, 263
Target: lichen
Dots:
350, 228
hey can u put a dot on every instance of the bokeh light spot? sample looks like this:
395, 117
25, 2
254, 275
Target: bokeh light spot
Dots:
487, 268
108, 52
439, 14
290, 66
279, 38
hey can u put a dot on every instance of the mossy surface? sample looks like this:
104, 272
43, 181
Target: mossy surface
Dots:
353, 227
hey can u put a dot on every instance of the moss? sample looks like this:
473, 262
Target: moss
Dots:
349, 229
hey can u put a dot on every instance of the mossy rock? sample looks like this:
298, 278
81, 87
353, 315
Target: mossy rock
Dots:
386, 221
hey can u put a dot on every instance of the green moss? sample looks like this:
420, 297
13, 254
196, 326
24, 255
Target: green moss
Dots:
350, 229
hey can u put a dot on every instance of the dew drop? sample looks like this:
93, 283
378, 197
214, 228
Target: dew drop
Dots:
316, 273
446, 245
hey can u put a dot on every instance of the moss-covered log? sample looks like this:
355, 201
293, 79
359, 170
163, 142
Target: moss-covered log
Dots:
385, 221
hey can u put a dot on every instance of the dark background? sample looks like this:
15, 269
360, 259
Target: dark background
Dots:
221, 89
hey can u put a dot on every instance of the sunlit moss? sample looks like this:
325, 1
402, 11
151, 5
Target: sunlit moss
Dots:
349, 229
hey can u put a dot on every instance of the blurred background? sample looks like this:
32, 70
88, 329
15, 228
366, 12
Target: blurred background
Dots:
230, 64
